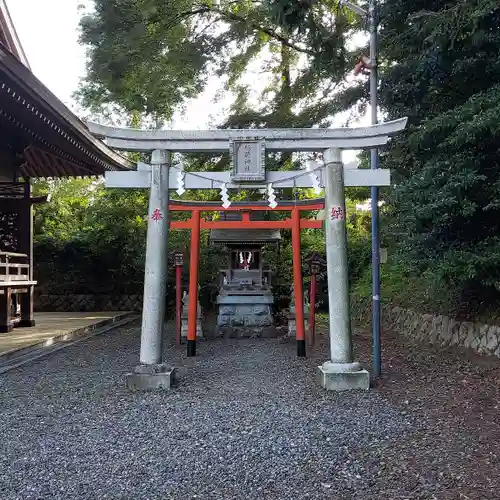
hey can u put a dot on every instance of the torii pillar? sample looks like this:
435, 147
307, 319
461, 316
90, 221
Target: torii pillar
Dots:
340, 372
151, 373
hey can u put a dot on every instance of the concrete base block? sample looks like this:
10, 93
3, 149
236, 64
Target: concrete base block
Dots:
150, 377
343, 380
240, 332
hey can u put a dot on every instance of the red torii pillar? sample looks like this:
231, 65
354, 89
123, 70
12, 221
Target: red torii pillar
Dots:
297, 283
179, 263
194, 264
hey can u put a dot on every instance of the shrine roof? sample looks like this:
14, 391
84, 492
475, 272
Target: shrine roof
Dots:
47, 139
247, 236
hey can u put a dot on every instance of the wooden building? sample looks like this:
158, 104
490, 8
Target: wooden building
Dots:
39, 138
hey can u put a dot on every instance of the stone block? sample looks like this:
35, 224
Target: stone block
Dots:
428, 331
246, 313
481, 348
184, 328
223, 320
492, 339
464, 330
237, 300
454, 332
292, 327
260, 310
150, 377
470, 337
445, 335
475, 343
343, 381
435, 327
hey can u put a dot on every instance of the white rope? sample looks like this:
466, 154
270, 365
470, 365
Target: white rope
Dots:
280, 181
271, 195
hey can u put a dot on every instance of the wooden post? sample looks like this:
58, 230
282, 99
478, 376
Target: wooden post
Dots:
312, 307
193, 282
178, 302
297, 283
26, 246
5, 308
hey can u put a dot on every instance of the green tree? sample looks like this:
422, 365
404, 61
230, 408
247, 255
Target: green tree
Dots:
440, 66
447, 80
63, 216
149, 56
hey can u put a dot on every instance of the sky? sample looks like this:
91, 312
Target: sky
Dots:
48, 32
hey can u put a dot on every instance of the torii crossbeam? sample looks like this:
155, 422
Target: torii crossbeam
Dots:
247, 150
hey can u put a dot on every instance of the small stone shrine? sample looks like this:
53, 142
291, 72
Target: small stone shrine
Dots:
245, 296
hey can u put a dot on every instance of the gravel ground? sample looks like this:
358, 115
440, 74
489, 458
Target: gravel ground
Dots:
248, 422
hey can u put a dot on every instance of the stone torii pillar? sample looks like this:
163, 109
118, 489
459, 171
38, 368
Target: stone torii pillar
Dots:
151, 373
341, 372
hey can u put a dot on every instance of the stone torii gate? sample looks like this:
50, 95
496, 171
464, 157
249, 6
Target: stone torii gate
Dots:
247, 149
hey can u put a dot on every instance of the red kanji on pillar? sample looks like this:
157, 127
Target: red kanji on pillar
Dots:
337, 213
157, 215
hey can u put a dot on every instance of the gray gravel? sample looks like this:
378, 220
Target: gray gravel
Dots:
246, 422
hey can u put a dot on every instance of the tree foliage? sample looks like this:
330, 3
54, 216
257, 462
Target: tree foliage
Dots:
445, 75
149, 56
439, 65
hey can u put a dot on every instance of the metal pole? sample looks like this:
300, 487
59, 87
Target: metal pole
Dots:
374, 164
312, 308
155, 275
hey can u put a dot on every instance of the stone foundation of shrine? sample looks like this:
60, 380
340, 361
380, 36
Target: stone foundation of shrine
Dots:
245, 316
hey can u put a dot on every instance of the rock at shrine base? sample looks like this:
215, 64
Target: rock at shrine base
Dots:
339, 379
150, 377
240, 332
245, 316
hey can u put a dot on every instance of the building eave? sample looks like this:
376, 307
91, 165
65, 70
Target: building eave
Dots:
27, 106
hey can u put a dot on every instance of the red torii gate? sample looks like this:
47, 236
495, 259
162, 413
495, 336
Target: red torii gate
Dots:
195, 223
